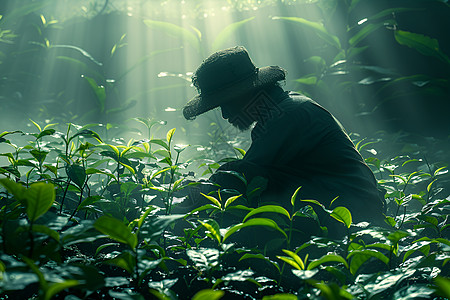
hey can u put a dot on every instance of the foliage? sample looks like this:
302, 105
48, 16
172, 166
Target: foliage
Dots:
89, 217
87, 214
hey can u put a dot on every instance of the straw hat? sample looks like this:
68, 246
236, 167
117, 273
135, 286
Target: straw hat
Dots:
225, 75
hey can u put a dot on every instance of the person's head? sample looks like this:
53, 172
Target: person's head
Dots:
229, 79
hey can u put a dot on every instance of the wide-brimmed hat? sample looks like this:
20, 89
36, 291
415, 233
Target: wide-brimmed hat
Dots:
225, 75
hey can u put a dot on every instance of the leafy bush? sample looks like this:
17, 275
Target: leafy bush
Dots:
89, 217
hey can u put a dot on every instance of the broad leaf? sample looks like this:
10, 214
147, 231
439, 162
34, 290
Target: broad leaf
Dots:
327, 258
254, 222
39, 197
116, 230
343, 215
422, 43
268, 209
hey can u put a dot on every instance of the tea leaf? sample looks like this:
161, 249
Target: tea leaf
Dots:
208, 295
77, 174
297, 258
254, 222
116, 230
327, 258
214, 229
170, 134
268, 209
213, 200
39, 197
231, 200
343, 215
294, 196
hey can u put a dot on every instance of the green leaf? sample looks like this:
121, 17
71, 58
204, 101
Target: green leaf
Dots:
208, 295
343, 215
125, 260
9, 132
80, 50
281, 296
77, 174
106, 172
223, 37
241, 151
396, 236
422, 43
176, 31
202, 208
327, 258
57, 287
320, 30
213, 200
363, 33
361, 256
145, 215
15, 188
308, 80
254, 222
39, 197
297, 258
317, 203
231, 200
268, 209
443, 286
39, 155
290, 261
45, 132
116, 230
169, 135
294, 196
45, 230
99, 91
213, 228
86, 132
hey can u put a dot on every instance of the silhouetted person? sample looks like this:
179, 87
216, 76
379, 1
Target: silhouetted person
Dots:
295, 141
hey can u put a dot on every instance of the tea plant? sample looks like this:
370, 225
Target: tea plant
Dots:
89, 217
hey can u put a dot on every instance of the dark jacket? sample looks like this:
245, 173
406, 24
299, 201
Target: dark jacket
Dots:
296, 142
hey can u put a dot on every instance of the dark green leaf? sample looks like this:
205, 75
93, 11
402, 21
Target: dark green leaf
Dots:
422, 43
77, 174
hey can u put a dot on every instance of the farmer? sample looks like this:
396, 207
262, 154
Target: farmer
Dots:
295, 141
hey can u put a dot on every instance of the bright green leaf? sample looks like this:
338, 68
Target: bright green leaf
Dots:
116, 230
343, 215
268, 209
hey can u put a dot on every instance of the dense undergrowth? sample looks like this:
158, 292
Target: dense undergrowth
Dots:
86, 217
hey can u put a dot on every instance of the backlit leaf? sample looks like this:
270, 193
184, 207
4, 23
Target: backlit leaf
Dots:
327, 258
213, 200
116, 230
343, 215
208, 295
254, 222
268, 209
